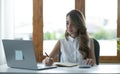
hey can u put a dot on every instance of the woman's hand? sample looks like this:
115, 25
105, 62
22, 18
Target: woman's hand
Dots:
90, 62
48, 61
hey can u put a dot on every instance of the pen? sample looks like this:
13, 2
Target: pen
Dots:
46, 54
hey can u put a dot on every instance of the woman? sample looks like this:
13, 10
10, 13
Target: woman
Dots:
77, 47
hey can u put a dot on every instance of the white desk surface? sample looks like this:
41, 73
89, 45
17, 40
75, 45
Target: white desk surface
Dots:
102, 68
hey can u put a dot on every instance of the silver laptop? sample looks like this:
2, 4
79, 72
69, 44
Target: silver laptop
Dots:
20, 54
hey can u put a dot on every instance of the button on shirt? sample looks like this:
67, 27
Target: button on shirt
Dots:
70, 51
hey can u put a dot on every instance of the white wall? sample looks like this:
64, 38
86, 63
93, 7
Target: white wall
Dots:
2, 56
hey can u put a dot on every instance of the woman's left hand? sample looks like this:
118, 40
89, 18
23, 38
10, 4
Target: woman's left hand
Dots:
90, 61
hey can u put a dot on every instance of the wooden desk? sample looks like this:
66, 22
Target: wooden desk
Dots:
102, 68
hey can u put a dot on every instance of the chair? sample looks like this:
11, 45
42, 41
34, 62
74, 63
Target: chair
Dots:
96, 49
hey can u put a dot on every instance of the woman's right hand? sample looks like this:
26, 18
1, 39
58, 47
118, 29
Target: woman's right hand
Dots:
48, 61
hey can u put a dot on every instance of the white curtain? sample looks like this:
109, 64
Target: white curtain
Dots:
2, 55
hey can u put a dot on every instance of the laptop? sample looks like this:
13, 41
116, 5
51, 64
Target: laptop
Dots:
20, 54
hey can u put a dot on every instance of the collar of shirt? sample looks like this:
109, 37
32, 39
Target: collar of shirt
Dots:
73, 39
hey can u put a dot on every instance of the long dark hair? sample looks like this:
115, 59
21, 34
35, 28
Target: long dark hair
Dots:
79, 21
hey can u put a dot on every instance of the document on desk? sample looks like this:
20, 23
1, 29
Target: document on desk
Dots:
59, 64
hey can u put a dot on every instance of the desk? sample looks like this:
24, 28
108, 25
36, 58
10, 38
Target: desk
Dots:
102, 68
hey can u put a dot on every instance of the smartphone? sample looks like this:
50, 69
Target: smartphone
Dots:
84, 66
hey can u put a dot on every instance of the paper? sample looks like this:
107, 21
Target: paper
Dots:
65, 64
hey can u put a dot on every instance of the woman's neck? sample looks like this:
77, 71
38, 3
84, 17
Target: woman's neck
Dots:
73, 36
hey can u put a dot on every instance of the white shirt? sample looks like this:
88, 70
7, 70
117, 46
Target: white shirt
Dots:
70, 51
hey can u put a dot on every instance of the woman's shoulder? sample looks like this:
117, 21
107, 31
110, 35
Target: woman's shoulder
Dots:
91, 39
63, 39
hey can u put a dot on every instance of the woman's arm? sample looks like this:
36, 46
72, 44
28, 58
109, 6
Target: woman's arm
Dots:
92, 59
56, 50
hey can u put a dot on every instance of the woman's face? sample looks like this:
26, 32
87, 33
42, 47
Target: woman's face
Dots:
71, 28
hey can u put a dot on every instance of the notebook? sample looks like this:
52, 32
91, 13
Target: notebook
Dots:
60, 64
20, 54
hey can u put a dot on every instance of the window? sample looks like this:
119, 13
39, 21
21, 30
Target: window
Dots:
102, 24
54, 18
17, 19
38, 28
